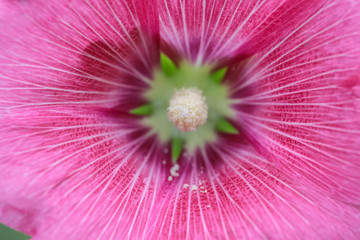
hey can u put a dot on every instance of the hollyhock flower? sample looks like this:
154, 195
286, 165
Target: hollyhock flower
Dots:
169, 119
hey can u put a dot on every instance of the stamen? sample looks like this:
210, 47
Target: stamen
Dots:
188, 109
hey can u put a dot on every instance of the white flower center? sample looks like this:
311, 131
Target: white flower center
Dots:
188, 109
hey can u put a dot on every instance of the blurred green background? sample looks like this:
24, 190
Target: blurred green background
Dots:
10, 234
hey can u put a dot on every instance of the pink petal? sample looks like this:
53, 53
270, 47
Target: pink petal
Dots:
68, 73
298, 102
305, 114
207, 31
80, 52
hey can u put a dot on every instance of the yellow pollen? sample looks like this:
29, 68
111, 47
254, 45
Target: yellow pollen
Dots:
188, 109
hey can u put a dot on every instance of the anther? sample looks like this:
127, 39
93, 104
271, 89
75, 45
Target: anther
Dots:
188, 109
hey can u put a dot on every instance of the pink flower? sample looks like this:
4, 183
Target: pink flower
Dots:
75, 164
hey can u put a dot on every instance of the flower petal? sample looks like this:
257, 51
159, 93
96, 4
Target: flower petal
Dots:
206, 31
67, 73
298, 102
83, 51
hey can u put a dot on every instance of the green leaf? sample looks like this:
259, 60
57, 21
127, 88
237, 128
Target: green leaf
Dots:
225, 127
146, 109
167, 65
10, 234
176, 148
218, 76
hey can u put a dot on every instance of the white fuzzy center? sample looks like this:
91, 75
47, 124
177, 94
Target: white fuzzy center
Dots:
188, 109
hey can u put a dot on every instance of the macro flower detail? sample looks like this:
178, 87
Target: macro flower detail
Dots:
169, 119
187, 109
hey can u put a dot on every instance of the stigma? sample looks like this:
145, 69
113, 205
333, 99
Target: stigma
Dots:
187, 109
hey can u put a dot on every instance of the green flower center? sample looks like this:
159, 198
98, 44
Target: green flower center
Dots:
184, 87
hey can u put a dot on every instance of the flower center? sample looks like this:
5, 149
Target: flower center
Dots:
188, 109
187, 106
